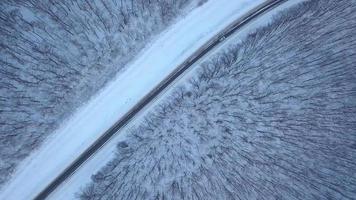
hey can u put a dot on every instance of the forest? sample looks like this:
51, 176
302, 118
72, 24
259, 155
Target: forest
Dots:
271, 117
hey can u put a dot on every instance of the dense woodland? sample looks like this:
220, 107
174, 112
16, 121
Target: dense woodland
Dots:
54, 55
273, 117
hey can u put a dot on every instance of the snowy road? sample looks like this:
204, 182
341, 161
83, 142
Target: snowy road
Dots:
155, 92
74, 137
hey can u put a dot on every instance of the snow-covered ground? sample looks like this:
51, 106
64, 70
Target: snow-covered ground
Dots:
158, 60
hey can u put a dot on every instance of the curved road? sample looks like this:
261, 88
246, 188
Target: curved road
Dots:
236, 25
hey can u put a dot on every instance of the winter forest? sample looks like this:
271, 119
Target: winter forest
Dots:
55, 55
272, 117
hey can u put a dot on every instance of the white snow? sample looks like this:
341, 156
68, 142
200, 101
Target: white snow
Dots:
155, 62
